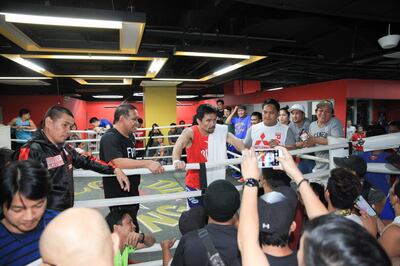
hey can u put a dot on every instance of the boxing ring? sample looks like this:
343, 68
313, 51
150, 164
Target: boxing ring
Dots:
337, 147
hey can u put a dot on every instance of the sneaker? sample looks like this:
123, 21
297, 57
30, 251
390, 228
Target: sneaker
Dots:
236, 175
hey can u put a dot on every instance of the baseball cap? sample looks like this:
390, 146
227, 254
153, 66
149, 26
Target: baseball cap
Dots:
352, 162
276, 210
394, 159
192, 219
297, 107
325, 103
221, 200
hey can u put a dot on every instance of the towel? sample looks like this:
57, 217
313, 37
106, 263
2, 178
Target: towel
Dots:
217, 152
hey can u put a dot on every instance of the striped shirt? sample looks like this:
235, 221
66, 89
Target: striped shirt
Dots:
21, 249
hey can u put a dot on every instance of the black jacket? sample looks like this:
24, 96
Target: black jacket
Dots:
60, 161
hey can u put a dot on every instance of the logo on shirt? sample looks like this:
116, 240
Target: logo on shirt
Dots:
131, 152
54, 162
262, 142
321, 135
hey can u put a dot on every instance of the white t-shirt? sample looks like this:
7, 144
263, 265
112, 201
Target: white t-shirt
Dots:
260, 135
350, 131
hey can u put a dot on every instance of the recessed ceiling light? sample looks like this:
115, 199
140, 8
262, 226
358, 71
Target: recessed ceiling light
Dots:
218, 55
186, 96
108, 96
24, 78
275, 89
139, 94
62, 21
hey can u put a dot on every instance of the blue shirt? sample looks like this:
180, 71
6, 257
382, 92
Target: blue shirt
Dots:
241, 124
22, 133
377, 180
22, 249
104, 123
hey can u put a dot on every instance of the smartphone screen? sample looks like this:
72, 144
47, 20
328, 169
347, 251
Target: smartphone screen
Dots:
363, 205
268, 158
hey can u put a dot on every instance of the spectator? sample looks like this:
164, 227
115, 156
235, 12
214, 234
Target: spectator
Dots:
358, 140
221, 202
172, 131
181, 127
77, 236
140, 133
23, 126
300, 127
48, 147
270, 133
284, 115
271, 179
350, 130
227, 113
24, 187
220, 111
342, 190
255, 118
325, 126
161, 151
100, 126
358, 167
276, 210
121, 224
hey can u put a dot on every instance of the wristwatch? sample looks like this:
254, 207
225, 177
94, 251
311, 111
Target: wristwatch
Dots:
251, 182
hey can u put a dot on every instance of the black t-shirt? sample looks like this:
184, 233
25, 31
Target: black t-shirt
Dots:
191, 250
290, 260
114, 145
220, 116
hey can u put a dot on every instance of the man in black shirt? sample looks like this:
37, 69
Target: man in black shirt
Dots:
220, 111
117, 146
276, 210
221, 201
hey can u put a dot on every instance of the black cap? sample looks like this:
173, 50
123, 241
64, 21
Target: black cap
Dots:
352, 162
221, 200
277, 210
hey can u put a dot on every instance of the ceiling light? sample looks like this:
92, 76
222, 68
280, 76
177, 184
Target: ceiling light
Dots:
108, 96
218, 55
23, 78
156, 66
139, 94
213, 96
62, 21
227, 69
89, 57
275, 89
174, 79
28, 64
84, 82
186, 96
152, 83
389, 41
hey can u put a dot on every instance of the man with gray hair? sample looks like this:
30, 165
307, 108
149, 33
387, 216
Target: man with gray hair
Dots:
325, 126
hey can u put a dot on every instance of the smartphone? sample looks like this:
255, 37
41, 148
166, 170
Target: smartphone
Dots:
268, 158
363, 205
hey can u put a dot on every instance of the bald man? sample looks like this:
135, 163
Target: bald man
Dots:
78, 236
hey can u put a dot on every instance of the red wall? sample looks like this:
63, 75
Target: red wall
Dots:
38, 105
373, 89
78, 108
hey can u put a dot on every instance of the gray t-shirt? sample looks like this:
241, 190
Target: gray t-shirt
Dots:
334, 129
260, 135
297, 131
